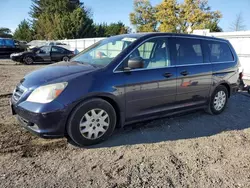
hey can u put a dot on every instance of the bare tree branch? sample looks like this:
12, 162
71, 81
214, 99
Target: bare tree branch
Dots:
238, 23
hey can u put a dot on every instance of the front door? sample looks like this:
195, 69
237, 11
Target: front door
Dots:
151, 89
43, 54
194, 72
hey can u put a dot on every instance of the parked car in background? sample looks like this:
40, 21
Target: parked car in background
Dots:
8, 46
127, 79
43, 54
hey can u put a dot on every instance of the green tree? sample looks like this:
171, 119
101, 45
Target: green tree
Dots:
61, 19
5, 32
213, 26
167, 15
116, 29
23, 31
143, 17
172, 16
100, 30
104, 30
197, 14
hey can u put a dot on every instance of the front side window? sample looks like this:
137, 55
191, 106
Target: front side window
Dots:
187, 51
44, 50
103, 52
219, 51
155, 54
146, 49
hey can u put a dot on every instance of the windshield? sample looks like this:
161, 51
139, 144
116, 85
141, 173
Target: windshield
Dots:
103, 52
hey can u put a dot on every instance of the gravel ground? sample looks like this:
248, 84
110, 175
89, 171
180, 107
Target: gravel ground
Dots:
192, 150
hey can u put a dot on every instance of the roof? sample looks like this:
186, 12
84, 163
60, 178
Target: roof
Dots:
154, 34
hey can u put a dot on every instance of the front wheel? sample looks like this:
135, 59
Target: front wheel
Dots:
28, 60
218, 100
91, 122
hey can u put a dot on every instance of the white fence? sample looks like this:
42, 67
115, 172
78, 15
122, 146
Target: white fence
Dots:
80, 44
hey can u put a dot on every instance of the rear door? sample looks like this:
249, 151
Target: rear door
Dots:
194, 72
57, 53
43, 54
151, 89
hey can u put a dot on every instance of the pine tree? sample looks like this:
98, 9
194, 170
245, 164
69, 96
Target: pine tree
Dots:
23, 31
61, 19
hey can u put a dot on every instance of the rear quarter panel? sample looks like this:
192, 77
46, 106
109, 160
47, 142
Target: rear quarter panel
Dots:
226, 72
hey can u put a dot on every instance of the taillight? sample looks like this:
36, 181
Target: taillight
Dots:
241, 75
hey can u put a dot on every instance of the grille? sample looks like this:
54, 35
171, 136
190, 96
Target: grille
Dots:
18, 92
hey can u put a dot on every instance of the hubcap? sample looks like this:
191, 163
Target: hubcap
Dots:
65, 59
28, 60
219, 100
94, 124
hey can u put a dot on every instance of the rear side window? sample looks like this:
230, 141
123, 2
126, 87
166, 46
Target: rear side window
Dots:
219, 51
187, 51
57, 49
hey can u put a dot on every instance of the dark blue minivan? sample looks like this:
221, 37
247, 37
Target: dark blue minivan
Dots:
126, 79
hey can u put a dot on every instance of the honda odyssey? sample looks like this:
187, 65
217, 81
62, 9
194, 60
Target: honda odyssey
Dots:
125, 79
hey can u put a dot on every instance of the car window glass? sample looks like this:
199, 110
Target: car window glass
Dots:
110, 50
57, 49
45, 49
188, 51
9, 43
154, 52
219, 51
1, 42
146, 49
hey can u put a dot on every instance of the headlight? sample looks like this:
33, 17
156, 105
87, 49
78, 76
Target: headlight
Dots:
47, 93
16, 54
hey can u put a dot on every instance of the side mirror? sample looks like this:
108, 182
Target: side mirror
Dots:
135, 63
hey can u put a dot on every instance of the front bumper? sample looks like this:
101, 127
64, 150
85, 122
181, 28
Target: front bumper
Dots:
50, 124
16, 58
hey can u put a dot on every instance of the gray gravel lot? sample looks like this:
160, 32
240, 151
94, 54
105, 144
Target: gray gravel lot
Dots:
191, 150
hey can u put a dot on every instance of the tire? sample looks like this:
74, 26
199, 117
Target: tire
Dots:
92, 124
65, 58
221, 96
28, 60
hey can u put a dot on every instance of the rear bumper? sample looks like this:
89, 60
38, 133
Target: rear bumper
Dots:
234, 88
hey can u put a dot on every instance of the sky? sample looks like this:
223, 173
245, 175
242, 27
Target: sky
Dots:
12, 12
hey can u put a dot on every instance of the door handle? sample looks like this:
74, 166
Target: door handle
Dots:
167, 74
184, 73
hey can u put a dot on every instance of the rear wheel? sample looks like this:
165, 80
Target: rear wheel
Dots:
218, 100
91, 122
65, 58
28, 60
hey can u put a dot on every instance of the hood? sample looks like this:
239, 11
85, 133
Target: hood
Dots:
53, 72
